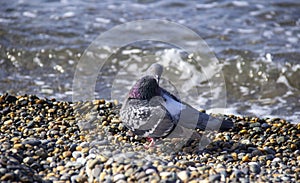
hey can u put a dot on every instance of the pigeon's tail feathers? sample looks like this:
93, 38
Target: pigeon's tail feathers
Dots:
203, 120
226, 125
193, 119
213, 123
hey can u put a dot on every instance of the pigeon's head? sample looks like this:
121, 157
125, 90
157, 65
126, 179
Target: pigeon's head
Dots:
155, 70
145, 89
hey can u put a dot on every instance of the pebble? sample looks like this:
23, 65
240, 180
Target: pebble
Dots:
256, 124
102, 176
28, 160
118, 177
165, 175
280, 139
96, 171
276, 160
77, 154
18, 146
269, 150
245, 158
150, 171
214, 178
67, 154
265, 125
183, 176
254, 167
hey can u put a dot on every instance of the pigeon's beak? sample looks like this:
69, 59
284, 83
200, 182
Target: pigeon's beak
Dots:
157, 79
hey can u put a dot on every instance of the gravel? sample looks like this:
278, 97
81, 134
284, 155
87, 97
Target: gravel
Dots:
44, 140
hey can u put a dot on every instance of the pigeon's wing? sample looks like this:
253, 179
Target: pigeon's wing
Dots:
191, 118
147, 118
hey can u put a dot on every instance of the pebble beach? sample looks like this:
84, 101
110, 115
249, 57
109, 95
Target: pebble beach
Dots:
45, 140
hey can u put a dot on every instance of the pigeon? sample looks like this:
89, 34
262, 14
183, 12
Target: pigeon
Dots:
153, 112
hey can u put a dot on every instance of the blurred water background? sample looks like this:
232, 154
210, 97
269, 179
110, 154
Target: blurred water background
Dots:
256, 42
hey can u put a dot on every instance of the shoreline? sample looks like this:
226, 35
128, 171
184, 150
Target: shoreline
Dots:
45, 140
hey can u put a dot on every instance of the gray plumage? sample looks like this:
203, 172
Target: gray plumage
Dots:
151, 111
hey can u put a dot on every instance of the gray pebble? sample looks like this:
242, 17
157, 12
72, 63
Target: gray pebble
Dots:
256, 124
121, 181
286, 178
277, 160
2, 171
73, 147
140, 175
254, 167
81, 160
183, 175
74, 164
150, 171
256, 153
28, 160
265, 125
32, 142
237, 173
53, 164
77, 154
257, 129
96, 171
215, 177
65, 177
269, 150
41, 153
119, 177
244, 180
84, 144
280, 139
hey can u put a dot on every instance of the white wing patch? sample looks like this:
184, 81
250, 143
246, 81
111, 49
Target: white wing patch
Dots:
173, 106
